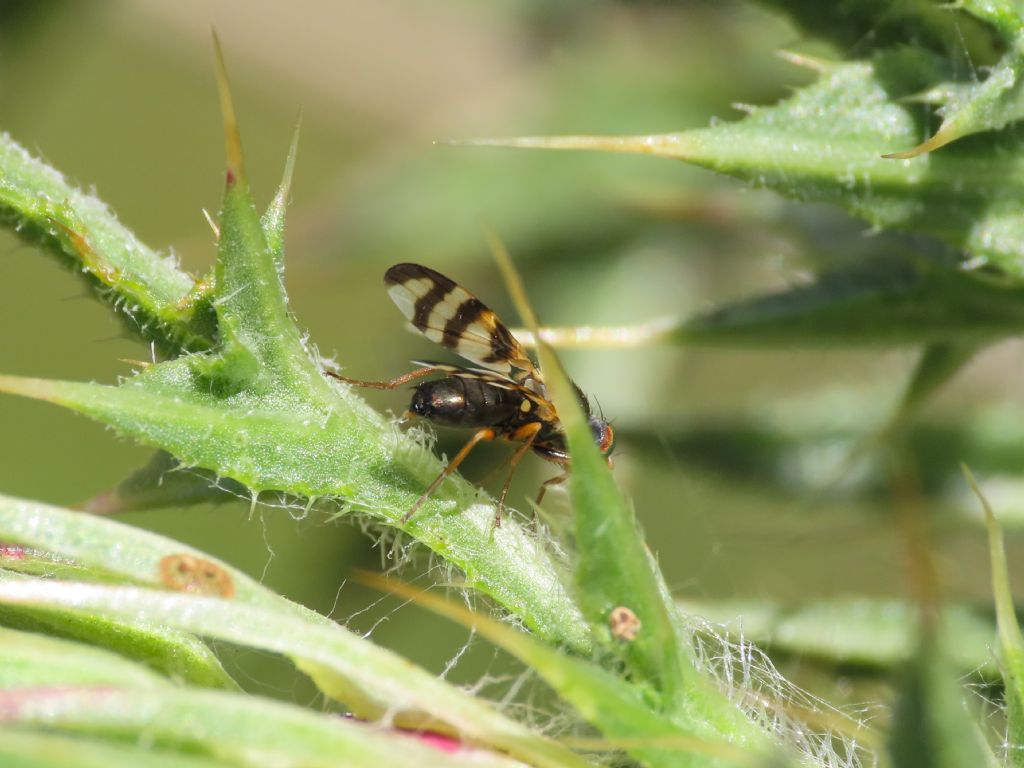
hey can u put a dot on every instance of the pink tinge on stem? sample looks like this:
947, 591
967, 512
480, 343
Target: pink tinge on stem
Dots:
438, 741
12, 552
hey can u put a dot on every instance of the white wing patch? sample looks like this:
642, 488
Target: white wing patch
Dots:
449, 315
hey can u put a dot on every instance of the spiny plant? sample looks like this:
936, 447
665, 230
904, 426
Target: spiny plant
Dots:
239, 396
859, 138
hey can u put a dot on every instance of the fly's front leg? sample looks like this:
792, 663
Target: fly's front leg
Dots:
527, 434
419, 373
483, 434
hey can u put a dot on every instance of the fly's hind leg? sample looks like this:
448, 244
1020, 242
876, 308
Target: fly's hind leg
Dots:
483, 434
393, 384
527, 434
556, 480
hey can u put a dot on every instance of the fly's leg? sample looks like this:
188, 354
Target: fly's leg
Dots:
527, 434
556, 480
393, 384
483, 434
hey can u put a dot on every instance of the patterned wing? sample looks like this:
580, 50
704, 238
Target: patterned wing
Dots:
449, 315
493, 378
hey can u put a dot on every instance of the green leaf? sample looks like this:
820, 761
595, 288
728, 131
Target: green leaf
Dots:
106, 549
864, 25
1007, 16
274, 217
825, 144
28, 561
608, 702
178, 655
163, 482
342, 450
859, 631
258, 411
1011, 641
156, 300
372, 681
931, 725
109, 547
792, 450
251, 307
19, 749
262, 348
877, 304
241, 729
939, 362
615, 573
612, 567
989, 105
891, 302
33, 660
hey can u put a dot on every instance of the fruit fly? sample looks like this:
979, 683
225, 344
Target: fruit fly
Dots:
503, 398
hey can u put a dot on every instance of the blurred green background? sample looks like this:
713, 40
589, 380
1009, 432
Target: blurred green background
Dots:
722, 450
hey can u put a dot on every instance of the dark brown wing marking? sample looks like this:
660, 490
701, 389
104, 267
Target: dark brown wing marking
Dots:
491, 377
449, 315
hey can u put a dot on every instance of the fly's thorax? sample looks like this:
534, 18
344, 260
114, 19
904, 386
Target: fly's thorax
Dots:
551, 443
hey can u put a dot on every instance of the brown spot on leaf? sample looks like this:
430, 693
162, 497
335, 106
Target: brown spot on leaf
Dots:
624, 623
188, 573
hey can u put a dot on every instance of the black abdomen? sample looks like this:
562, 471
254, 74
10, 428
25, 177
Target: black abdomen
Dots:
456, 401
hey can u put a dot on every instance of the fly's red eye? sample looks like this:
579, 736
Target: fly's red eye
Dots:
607, 440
